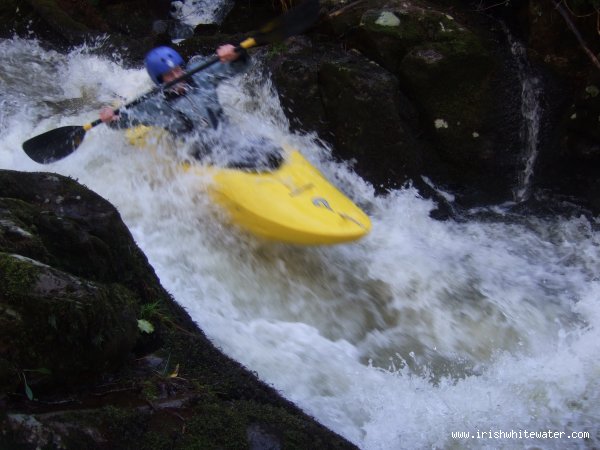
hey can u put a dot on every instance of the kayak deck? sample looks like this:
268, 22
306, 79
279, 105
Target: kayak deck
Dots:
293, 203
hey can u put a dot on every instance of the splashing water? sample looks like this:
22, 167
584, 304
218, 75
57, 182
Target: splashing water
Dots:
420, 330
194, 12
531, 111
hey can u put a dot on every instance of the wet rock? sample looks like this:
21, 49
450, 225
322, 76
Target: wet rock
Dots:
63, 280
125, 27
76, 368
567, 162
43, 310
355, 105
413, 93
570, 147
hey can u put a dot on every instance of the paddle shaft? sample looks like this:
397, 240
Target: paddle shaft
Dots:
246, 44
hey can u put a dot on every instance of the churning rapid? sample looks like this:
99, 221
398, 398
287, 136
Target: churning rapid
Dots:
422, 330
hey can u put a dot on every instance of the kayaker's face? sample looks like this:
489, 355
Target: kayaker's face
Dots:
175, 72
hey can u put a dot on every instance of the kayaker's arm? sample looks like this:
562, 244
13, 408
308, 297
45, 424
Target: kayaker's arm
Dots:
234, 61
117, 121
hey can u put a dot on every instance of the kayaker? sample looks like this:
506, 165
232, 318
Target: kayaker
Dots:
187, 107
190, 110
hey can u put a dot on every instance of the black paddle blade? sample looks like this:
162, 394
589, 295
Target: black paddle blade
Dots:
293, 22
54, 144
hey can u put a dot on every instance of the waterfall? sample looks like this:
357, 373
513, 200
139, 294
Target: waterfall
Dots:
531, 91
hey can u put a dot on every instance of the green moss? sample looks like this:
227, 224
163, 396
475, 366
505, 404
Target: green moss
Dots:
276, 49
413, 25
93, 325
149, 390
16, 275
153, 310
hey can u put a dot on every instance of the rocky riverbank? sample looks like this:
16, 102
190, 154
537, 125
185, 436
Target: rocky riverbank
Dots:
95, 354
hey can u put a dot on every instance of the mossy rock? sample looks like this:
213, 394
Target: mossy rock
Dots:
61, 326
371, 119
75, 369
354, 104
18, 234
453, 90
442, 48
67, 279
73, 230
388, 33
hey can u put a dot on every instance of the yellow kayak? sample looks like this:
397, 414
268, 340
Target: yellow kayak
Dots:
291, 203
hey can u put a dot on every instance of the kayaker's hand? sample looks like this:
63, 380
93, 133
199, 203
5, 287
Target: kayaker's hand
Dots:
227, 53
108, 115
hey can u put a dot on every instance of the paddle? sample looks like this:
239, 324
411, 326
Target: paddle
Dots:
56, 144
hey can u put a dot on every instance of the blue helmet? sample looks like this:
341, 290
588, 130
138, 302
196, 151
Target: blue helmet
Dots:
161, 60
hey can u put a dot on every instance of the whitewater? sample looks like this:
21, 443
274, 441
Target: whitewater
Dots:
479, 333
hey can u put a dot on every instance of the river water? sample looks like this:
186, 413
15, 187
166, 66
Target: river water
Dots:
420, 330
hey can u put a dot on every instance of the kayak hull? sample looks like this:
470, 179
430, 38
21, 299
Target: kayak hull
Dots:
293, 204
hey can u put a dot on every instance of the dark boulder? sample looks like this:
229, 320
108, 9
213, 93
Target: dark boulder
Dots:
128, 27
95, 354
354, 104
410, 92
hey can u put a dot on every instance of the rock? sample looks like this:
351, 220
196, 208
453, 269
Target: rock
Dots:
63, 283
43, 310
76, 370
428, 98
125, 27
457, 82
567, 162
355, 105
570, 146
